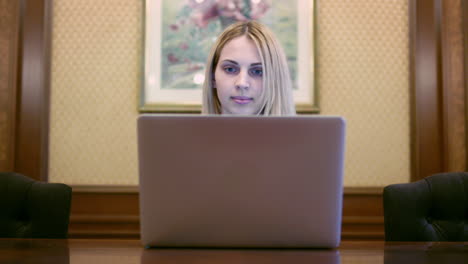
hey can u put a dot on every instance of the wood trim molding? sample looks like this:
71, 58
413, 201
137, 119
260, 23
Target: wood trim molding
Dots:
132, 189
438, 84
110, 214
363, 190
128, 226
426, 123
105, 189
453, 82
32, 124
9, 28
113, 212
465, 51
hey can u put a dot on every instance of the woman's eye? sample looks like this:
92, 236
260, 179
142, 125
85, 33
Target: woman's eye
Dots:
256, 72
230, 69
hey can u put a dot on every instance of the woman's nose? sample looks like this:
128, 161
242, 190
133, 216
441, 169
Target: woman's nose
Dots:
242, 80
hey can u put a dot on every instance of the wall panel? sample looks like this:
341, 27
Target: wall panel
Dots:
106, 211
96, 73
453, 81
363, 75
32, 111
9, 27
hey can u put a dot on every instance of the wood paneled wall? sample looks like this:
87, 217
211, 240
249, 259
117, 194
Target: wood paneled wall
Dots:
32, 109
426, 108
437, 87
453, 86
24, 89
102, 212
438, 135
465, 40
9, 28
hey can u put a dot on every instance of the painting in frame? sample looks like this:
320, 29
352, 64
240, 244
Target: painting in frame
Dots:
179, 35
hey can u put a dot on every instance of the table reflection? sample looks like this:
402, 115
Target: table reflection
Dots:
433, 252
102, 251
31, 251
256, 256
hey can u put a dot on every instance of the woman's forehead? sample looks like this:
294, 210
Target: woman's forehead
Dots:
240, 48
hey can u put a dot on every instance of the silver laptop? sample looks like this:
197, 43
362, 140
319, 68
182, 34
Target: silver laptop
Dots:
230, 181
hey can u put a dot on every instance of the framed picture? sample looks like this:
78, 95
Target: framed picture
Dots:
179, 35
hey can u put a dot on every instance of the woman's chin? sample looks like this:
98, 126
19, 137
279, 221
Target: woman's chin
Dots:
240, 112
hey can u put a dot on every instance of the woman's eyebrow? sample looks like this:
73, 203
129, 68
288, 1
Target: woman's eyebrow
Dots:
236, 63
231, 61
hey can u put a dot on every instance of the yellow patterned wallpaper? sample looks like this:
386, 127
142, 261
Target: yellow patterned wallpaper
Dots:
362, 74
96, 69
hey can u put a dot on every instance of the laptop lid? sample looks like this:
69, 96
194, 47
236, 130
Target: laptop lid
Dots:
240, 181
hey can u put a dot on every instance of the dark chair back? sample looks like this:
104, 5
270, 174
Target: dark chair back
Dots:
33, 209
432, 209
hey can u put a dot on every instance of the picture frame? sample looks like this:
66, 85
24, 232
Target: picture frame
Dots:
180, 33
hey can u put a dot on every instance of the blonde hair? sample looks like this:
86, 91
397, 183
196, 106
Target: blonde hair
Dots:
277, 88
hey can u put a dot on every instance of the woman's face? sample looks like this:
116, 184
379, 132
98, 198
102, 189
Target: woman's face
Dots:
238, 77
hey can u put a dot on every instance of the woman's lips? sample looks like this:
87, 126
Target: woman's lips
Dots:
241, 99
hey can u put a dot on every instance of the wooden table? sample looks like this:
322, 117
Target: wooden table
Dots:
130, 251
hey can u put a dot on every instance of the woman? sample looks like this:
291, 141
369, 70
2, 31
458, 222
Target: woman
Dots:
247, 73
